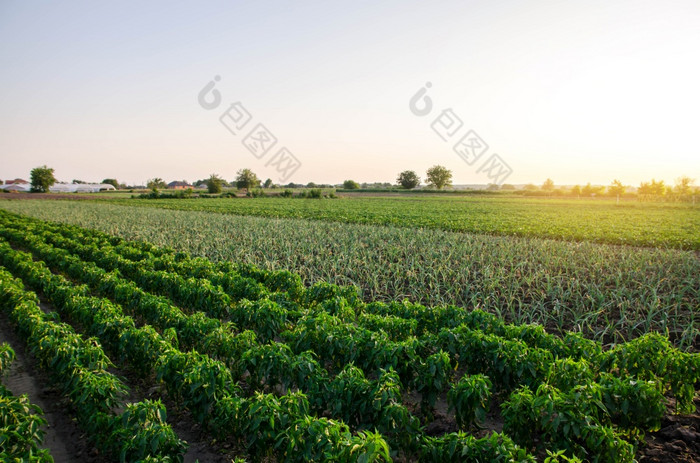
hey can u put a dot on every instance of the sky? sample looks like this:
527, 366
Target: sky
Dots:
496, 91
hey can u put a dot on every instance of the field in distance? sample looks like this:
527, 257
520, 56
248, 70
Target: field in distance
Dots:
651, 224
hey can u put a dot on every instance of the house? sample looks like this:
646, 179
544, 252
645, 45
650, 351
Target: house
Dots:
177, 185
17, 181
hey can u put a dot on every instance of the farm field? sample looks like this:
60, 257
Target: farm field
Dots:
610, 293
675, 225
283, 371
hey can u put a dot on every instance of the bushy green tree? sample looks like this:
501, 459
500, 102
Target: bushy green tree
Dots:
42, 179
351, 185
214, 183
591, 190
408, 179
111, 181
246, 178
156, 184
616, 188
439, 177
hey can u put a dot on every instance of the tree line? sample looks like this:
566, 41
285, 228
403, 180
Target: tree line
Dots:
438, 177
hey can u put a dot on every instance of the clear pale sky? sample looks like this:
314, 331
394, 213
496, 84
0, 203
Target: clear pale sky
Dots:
576, 91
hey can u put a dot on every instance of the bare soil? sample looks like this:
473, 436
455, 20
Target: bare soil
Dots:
678, 440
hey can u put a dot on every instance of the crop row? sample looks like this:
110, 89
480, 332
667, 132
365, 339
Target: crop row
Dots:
80, 366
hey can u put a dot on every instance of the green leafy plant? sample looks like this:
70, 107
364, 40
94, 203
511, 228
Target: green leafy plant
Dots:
469, 398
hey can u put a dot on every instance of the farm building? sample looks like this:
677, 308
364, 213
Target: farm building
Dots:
177, 185
17, 181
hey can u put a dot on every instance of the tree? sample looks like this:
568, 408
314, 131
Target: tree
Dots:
156, 183
683, 185
351, 185
408, 179
245, 178
507, 186
590, 190
575, 190
439, 177
78, 182
548, 185
530, 187
268, 183
653, 188
214, 184
111, 181
616, 188
492, 187
42, 179
659, 188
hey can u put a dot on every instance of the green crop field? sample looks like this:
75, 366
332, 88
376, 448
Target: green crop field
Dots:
611, 293
675, 225
279, 370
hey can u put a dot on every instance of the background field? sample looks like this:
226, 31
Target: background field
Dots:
609, 292
637, 223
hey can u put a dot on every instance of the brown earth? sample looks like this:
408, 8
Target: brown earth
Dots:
678, 440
